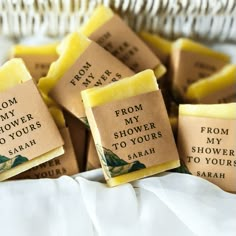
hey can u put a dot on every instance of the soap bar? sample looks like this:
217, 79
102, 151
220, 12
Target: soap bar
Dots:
217, 88
27, 137
36, 58
93, 67
111, 32
206, 142
92, 160
63, 165
160, 46
191, 61
141, 142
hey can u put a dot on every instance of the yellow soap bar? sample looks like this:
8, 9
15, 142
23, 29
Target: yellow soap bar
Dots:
13, 73
189, 45
226, 77
141, 83
69, 50
47, 49
160, 46
222, 111
58, 116
123, 48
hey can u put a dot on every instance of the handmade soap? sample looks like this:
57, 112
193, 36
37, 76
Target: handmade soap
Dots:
206, 142
27, 137
217, 88
141, 142
92, 159
160, 46
36, 58
111, 32
191, 61
94, 66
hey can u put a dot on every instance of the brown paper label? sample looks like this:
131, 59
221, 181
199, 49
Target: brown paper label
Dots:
38, 65
95, 67
116, 37
225, 95
27, 129
132, 134
208, 148
188, 67
63, 165
92, 155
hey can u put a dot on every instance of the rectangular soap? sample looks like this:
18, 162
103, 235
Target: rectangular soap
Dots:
191, 61
93, 67
65, 164
92, 159
27, 137
217, 88
159, 45
130, 128
37, 58
206, 142
111, 32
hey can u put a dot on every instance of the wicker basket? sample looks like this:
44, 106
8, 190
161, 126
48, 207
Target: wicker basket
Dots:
198, 19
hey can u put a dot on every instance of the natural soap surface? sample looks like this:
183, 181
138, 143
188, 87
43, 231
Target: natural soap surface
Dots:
111, 32
20, 118
94, 67
206, 142
141, 143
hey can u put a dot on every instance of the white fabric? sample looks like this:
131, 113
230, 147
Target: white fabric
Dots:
169, 204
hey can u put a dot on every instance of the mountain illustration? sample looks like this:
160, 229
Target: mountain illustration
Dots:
8, 163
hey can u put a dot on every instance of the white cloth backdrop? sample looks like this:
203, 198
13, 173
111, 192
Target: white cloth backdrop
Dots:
170, 204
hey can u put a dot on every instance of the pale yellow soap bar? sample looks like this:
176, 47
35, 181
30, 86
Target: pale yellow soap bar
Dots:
141, 83
210, 85
69, 50
191, 46
13, 73
58, 116
222, 111
99, 18
160, 46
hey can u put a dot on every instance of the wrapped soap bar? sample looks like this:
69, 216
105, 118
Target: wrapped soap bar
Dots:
160, 46
141, 142
191, 61
65, 164
111, 32
94, 66
27, 137
92, 159
36, 58
217, 88
206, 142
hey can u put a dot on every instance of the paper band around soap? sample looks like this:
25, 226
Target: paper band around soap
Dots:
158, 135
27, 128
94, 64
207, 145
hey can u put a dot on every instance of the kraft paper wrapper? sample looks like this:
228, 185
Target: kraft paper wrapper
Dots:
219, 168
188, 67
78, 135
103, 69
63, 165
225, 95
92, 155
116, 37
28, 114
38, 65
153, 117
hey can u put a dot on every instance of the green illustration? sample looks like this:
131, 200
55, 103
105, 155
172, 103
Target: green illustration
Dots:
114, 165
8, 163
85, 121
